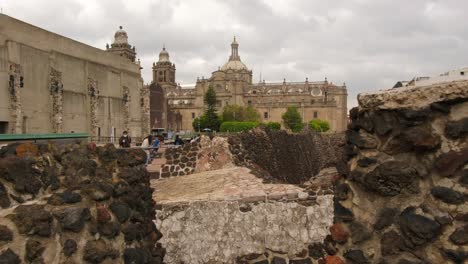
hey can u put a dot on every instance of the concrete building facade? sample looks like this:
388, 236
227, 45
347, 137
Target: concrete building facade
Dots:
233, 85
52, 84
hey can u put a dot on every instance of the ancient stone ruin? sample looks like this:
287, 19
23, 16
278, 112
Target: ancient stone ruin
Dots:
392, 190
404, 197
76, 204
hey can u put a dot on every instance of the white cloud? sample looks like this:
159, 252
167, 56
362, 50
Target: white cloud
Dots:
368, 44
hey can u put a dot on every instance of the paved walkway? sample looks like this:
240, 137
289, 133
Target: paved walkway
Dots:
220, 185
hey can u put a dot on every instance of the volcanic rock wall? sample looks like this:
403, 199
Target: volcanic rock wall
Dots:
204, 154
404, 199
76, 204
291, 158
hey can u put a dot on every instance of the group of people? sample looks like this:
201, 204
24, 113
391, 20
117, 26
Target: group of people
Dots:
150, 144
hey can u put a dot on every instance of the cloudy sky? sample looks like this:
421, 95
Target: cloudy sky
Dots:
369, 44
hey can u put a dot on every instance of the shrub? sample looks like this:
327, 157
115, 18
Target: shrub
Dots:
232, 126
292, 119
319, 125
273, 125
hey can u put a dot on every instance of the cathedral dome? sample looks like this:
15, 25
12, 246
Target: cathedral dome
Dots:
234, 62
120, 36
164, 55
236, 65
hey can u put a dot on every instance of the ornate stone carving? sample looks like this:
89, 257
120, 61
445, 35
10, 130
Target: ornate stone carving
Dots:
145, 109
93, 92
126, 103
56, 92
15, 82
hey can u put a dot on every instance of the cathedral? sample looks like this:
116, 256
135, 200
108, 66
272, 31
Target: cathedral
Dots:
175, 108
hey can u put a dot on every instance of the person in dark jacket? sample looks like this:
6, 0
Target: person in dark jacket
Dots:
178, 141
125, 140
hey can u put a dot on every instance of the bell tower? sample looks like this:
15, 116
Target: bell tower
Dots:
120, 45
164, 71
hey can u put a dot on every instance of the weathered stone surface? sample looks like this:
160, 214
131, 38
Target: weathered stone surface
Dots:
366, 162
341, 191
137, 255
21, 173
338, 233
417, 230
4, 199
447, 195
361, 139
464, 177
316, 251
448, 163
278, 260
421, 138
103, 215
457, 256
300, 261
5, 233
67, 197
359, 232
69, 247
33, 219
390, 178
391, 243
356, 257
385, 218
280, 226
457, 129
460, 235
133, 231
333, 260
9, 257
384, 121
121, 210
96, 251
34, 250
342, 213
413, 97
73, 218
98, 191
109, 230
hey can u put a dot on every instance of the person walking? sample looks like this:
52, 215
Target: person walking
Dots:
125, 140
156, 144
145, 146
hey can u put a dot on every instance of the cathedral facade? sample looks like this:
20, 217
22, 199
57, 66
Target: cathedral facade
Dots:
175, 108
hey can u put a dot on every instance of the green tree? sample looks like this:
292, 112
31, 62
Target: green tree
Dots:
292, 119
212, 118
240, 114
251, 114
233, 113
319, 125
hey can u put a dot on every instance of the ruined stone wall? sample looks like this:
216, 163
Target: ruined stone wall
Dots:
180, 160
404, 199
291, 158
76, 203
203, 155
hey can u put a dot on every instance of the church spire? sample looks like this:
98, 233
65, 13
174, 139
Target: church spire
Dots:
234, 50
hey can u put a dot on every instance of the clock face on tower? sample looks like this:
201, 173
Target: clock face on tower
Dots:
316, 92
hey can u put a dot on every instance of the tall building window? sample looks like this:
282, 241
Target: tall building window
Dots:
249, 102
265, 115
193, 115
315, 114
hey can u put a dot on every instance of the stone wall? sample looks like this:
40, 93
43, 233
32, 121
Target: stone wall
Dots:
404, 199
203, 155
291, 158
76, 203
180, 160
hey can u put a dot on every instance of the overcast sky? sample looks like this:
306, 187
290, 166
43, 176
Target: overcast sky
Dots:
369, 44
